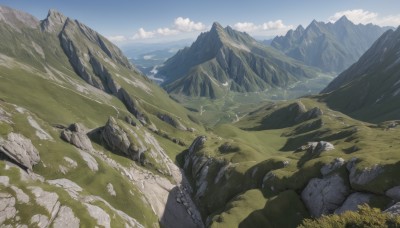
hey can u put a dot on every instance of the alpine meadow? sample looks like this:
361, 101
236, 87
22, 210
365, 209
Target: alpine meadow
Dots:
210, 122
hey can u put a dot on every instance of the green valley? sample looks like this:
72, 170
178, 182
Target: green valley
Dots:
238, 135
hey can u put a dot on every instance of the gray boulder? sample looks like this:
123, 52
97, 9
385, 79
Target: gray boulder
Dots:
20, 150
316, 147
7, 207
117, 140
332, 166
75, 134
110, 189
394, 210
324, 196
320, 147
364, 176
102, 218
353, 201
66, 218
40, 221
394, 193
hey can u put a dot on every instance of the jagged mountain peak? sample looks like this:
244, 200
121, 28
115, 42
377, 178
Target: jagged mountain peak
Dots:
343, 20
300, 28
216, 26
332, 47
54, 21
226, 59
314, 22
53, 14
230, 37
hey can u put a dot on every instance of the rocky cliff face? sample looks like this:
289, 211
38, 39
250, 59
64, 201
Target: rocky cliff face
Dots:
86, 62
370, 87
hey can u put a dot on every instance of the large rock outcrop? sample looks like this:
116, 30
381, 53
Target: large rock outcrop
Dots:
332, 166
20, 150
360, 177
324, 196
172, 121
316, 148
76, 135
394, 193
53, 22
118, 140
198, 165
196, 145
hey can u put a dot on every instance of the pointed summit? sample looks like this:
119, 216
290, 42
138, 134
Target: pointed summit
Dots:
54, 21
57, 16
343, 20
216, 26
299, 28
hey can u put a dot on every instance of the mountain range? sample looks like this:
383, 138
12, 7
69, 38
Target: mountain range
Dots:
227, 60
331, 47
370, 88
86, 140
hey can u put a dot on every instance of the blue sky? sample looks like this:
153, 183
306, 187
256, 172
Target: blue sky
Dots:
129, 21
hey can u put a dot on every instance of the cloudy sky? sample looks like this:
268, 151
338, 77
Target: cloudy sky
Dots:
139, 21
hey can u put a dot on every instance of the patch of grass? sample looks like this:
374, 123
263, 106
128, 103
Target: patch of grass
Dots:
364, 217
287, 203
239, 208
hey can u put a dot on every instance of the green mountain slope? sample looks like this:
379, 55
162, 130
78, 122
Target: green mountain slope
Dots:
85, 139
227, 60
370, 88
331, 47
292, 160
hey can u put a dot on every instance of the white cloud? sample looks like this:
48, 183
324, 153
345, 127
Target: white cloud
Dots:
275, 25
186, 25
267, 28
166, 31
181, 25
364, 17
143, 34
245, 26
117, 39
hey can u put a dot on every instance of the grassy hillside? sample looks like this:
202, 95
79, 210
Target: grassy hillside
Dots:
242, 158
58, 72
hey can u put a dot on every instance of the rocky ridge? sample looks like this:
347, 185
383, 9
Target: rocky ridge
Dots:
227, 60
332, 47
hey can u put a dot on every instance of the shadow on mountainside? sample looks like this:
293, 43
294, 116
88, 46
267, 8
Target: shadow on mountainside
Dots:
176, 214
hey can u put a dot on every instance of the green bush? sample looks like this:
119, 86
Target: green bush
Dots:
364, 217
